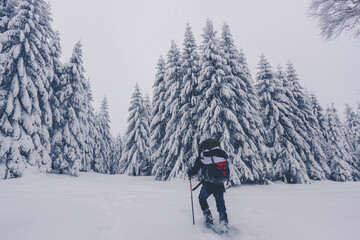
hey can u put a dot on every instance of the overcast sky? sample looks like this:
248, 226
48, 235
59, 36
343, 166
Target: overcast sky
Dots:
122, 41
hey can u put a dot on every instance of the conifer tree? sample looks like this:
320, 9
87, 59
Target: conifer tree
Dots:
281, 135
182, 126
158, 123
216, 95
98, 164
352, 124
171, 115
319, 113
147, 104
148, 108
116, 154
250, 90
105, 138
245, 69
135, 160
68, 142
3, 16
307, 126
341, 159
85, 111
56, 85
7, 12
55, 54
92, 137
246, 109
214, 89
25, 114
187, 126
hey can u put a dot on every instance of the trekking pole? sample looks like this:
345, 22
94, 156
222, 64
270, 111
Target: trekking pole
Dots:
192, 202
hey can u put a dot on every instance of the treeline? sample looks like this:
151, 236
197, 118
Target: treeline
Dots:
47, 121
273, 129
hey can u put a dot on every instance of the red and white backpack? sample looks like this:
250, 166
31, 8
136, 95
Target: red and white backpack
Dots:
216, 168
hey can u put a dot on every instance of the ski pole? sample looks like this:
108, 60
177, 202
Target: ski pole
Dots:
192, 202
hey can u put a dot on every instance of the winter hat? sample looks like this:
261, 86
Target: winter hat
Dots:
208, 144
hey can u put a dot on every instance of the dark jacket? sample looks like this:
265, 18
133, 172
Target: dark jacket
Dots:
212, 188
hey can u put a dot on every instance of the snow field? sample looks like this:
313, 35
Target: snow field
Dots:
95, 206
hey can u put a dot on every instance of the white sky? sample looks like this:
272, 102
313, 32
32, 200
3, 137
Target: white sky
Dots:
124, 39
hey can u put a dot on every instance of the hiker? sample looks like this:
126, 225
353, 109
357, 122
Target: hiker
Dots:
210, 154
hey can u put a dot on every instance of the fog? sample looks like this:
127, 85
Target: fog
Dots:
122, 41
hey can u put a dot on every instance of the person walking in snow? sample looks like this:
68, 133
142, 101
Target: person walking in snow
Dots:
214, 172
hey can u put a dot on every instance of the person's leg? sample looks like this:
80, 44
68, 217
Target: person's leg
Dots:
203, 196
220, 202
220, 205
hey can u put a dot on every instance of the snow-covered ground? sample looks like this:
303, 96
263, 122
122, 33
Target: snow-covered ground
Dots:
95, 206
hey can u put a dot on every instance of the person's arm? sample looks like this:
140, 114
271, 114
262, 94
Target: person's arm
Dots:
195, 169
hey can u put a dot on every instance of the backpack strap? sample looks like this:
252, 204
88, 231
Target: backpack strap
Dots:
212, 159
215, 152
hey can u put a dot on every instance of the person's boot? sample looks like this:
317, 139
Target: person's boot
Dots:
209, 221
223, 220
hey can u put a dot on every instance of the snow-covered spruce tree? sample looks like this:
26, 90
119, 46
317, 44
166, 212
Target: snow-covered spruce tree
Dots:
281, 136
68, 142
148, 108
56, 85
186, 144
3, 16
92, 138
98, 164
135, 160
116, 154
158, 124
319, 113
251, 91
352, 123
7, 12
352, 130
105, 140
25, 114
171, 115
182, 147
307, 126
240, 69
340, 156
251, 156
55, 54
245, 68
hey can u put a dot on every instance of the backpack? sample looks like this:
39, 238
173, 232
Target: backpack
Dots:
216, 168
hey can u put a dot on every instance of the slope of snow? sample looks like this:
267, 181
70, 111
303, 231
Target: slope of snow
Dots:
95, 206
